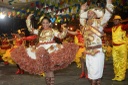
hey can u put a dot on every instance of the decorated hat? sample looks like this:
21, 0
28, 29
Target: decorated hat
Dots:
98, 11
117, 17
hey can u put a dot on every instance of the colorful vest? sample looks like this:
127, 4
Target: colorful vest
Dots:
118, 35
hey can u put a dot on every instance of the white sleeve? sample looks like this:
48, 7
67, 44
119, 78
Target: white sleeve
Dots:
35, 31
108, 14
28, 24
83, 16
60, 35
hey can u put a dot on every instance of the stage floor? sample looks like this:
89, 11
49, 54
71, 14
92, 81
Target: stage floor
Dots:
68, 76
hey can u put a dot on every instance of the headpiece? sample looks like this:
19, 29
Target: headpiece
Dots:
98, 11
117, 17
41, 19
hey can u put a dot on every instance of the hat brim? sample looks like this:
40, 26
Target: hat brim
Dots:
98, 12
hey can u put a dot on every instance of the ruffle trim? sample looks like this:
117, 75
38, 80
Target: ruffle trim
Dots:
44, 61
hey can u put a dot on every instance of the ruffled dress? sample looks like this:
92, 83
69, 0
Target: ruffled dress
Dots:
46, 55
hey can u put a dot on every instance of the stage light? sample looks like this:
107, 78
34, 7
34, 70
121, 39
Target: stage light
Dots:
71, 28
2, 16
56, 24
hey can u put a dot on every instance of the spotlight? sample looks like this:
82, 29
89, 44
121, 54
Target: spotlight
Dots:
2, 16
56, 24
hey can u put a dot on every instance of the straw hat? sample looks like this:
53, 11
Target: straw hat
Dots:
99, 12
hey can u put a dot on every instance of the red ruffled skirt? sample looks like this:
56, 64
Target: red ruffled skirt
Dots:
44, 61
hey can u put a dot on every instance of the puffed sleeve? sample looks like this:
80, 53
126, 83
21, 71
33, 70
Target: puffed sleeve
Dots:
60, 35
29, 25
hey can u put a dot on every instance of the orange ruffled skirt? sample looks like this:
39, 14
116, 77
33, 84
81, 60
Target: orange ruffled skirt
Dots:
45, 61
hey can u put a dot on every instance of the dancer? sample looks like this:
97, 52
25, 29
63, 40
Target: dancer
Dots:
95, 20
80, 57
17, 41
47, 56
5, 46
119, 43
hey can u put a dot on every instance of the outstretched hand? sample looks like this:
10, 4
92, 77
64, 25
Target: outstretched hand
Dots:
29, 16
109, 1
63, 25
84, 6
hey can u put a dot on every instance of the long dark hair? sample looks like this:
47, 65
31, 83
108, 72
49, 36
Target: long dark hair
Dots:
42, 27
41, 22
47, 18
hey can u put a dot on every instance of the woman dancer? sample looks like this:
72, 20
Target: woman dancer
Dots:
47, 56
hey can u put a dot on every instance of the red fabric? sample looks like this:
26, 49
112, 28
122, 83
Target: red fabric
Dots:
5, 48
30, 37
80, 37
5, 42
124, 27
108, 30
19, 42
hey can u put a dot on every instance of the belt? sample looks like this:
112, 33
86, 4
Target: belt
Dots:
45, 43
117, 44
94, 47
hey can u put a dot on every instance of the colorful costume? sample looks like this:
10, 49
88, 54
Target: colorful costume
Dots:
47, 55
92, 35
119, 51
80, 42
5, 45
7, 56
107, 49
127, 50
119, 55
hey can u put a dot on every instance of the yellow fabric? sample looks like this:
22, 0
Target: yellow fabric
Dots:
42, 74
117, 17
75, 40
119, 54
7, 57
118, 35
107, 51
127, 50
78, 56
79, 52
2, 51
